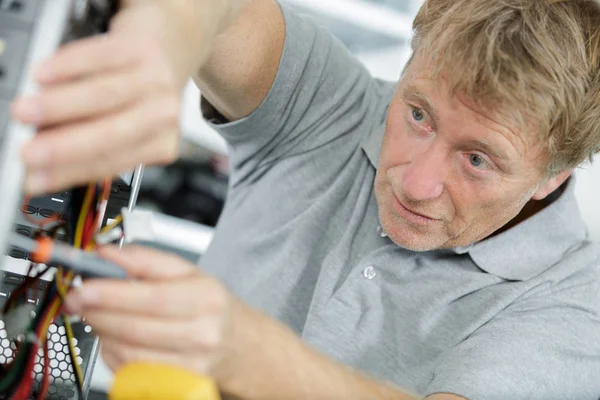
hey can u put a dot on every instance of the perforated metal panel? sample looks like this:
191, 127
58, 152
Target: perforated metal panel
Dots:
62, 377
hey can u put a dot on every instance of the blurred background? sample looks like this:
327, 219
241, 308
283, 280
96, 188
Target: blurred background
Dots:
378, 33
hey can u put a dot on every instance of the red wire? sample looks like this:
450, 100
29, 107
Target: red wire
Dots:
88, 230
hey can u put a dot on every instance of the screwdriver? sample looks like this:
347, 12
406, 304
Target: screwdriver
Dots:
47, 251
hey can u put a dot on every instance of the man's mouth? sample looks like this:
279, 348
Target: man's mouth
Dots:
409, 214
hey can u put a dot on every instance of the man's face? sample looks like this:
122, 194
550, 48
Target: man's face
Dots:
450, 176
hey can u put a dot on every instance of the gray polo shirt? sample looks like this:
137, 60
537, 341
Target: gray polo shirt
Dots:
512, 317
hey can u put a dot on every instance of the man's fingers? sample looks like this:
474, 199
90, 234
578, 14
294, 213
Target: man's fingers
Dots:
117, 354
152, 151
81, 99
92, 139
139, 331
201, 335
184, 298
84, 57
149, 264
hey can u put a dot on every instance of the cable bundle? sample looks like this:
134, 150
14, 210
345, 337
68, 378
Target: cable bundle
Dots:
87, 208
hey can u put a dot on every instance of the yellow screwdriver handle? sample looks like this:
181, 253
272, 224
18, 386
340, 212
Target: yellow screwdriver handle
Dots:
141, 381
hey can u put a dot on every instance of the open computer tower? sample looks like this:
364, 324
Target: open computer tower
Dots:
31, 30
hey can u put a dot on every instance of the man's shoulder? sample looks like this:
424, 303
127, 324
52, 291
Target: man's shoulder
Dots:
576, 276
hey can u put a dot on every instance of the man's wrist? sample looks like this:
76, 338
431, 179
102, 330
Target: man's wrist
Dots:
192, 27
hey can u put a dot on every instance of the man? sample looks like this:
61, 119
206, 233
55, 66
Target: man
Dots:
378, 239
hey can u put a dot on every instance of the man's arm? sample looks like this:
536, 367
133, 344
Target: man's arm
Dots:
244, 58
276, 364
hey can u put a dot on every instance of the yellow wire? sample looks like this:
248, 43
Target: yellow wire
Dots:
46, 325
62, 286
62, 290
85, 208
76, 366
112, 225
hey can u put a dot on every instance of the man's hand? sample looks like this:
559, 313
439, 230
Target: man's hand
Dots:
169, 312
109, 102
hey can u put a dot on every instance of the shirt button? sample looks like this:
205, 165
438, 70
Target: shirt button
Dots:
369, 272
381, 232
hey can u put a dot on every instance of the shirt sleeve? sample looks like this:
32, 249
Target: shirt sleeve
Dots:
545, 348
320, 94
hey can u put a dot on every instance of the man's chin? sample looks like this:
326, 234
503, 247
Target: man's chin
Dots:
415, 243
408, 237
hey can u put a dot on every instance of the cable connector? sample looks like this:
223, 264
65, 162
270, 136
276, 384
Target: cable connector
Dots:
109, 237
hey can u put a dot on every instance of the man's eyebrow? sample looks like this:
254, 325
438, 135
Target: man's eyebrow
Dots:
411, 92
490, 150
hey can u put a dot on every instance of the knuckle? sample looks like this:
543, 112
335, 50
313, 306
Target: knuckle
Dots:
110, 91
218, 300
169, 153
208, 335
170, 110
121, 127
160, 300
164, 77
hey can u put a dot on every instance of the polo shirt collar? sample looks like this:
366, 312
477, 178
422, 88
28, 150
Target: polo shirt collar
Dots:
527, 249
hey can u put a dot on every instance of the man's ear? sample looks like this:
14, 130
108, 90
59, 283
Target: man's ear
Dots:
551, 185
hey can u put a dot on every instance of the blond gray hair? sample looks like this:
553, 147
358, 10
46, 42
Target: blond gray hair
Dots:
536, 62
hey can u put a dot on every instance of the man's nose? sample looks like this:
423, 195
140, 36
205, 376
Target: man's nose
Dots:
423, 178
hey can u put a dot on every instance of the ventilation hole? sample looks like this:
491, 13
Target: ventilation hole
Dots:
63, 366
87, 329
55, 372
5, 343
62, 332
3, 334
47, 213
52, 328
8, 352
58, 347
53, 363
38, 368
2, 360
66, 375
77, 351
60, 356
74, 341
79, 360
29, 210
18, 254
24, 232
51, 354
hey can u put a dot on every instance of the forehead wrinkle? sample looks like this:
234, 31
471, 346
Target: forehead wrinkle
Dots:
495, 125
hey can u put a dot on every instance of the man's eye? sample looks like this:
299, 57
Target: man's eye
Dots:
418, 114
476, 160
